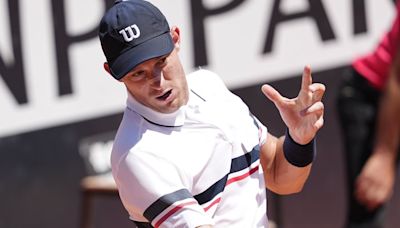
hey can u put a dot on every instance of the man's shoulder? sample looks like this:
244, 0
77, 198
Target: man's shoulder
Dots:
203, 74
202, 78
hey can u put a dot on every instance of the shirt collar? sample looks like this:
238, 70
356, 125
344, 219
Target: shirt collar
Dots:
175, 119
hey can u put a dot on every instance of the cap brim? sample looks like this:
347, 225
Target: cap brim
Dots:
155, 47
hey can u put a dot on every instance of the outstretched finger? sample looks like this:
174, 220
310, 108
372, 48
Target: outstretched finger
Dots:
306, 80
272, 94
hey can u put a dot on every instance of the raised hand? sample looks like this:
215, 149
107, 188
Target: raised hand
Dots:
303, 115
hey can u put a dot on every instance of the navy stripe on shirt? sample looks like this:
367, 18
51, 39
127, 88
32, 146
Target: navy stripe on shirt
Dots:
238, 164
164, 202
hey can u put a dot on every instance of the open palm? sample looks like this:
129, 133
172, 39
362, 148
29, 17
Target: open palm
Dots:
303, 115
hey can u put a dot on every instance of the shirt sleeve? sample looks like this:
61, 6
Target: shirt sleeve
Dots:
153, 190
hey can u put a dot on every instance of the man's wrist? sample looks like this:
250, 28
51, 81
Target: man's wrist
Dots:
297, 154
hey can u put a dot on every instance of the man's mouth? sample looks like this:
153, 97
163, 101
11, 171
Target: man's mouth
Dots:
165, 95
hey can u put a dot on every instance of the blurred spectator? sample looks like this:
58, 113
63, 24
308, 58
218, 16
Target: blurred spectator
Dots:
369, 111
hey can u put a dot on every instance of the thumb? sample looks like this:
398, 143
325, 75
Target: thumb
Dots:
272, 94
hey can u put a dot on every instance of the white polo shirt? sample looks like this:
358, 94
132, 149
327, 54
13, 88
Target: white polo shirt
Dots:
199, 165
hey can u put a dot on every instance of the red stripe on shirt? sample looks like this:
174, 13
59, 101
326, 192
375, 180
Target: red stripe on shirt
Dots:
178, 207
241, 177
172, 211
213, 203
230, 181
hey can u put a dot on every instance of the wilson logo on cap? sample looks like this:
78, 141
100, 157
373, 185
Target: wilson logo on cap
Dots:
131, 32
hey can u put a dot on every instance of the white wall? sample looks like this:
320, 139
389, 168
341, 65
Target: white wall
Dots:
234, 48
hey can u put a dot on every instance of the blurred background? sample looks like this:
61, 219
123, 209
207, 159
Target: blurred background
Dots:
59, 109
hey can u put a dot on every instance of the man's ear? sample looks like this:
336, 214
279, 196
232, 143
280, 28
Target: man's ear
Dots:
107, 67
176, 36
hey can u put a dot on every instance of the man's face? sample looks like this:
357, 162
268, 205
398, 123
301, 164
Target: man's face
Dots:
159, 83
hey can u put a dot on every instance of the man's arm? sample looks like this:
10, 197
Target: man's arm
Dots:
280, 176
285, 172
374, 185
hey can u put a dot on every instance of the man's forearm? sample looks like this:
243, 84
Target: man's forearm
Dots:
282, 177
388, 123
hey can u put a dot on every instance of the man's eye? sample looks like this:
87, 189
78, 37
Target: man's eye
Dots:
137, 75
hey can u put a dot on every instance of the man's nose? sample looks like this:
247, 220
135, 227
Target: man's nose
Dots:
157, 78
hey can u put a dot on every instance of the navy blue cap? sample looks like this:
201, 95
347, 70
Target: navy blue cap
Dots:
131, 32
